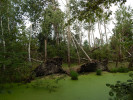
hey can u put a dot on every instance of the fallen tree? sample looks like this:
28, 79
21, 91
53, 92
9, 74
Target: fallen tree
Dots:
50, 66
93, 66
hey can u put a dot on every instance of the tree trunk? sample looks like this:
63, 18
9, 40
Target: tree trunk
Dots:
80, 34
93, 38
68, 35
105, 32
120, 52
29, 44
89, 59
57, 36
99, 28
3, 40
89, 38
116, 63
68, 45
8, 25
77, 51
45, 42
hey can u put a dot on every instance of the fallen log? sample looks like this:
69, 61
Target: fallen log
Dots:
92, 67
51, 66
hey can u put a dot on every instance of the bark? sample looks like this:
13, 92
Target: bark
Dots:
68, 34
29, 45
89, 59
120, 52
8, 25
45, 42
57, 34
3, 40
93, 38
89, 37
68, 46
105, 32
64, 38
80, 34
37, 60
100, 32
116, 63
77, 51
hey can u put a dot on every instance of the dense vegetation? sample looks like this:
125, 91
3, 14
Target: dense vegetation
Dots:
122, 90
33, 31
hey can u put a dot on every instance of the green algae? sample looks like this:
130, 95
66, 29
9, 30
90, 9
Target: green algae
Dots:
88, 87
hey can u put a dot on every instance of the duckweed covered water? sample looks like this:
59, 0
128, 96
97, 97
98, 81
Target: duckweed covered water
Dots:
88, 87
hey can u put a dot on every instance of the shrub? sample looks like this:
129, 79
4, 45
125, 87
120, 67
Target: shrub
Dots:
120, 69
98, 72
74, 75
122, 90
114, 70
123, 70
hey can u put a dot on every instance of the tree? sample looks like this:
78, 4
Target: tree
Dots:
123, 31
91, 9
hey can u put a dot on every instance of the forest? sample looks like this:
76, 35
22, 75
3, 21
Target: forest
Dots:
66, 49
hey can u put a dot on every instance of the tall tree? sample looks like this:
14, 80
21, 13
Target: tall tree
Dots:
123, 30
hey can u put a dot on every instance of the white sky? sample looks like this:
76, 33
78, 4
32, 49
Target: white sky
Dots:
110, 24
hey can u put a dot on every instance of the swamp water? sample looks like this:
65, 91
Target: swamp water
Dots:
87, 87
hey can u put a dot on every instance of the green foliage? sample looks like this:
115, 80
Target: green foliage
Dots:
122, 32
122, 90
123, 70
102, 53
17, 74
74, 75
114, 70
119, 69
98, 72
49, 84
92, 10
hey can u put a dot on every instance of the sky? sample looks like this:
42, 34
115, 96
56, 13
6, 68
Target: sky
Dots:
110, 25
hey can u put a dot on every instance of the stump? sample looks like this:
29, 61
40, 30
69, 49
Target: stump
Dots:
51, 66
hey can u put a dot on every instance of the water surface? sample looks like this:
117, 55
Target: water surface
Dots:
88, 87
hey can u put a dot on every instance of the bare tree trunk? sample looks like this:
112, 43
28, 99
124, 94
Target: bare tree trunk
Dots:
8, 25
57, 36
89, 41
93, 37
3, 40
80, 34
105, 32
77, 51
68, 46
89, 59
68, 35
99, 28
120, 52
29, 45
64, 38
45, 42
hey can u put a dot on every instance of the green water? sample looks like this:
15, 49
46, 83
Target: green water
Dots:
88, 87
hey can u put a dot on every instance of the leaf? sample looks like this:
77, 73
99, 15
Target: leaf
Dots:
111, 93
